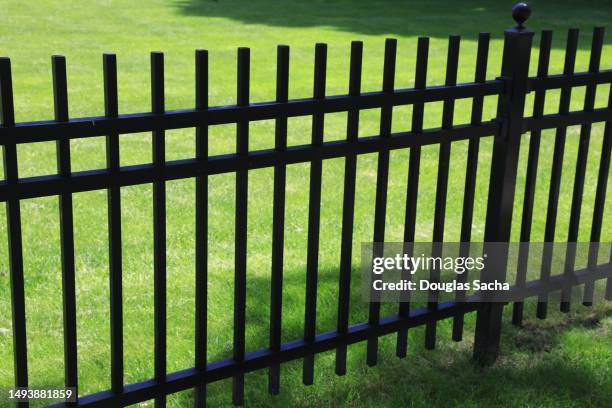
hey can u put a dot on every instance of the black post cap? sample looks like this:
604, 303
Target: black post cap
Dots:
520, 13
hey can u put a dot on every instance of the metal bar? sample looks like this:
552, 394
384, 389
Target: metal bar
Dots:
531, 176
111, 108
557, 166
40, 131
13, 220
452, 63
159, 225
560, 282
556, 120
10, 135
41, 186
581, 161
574, 79
60, 99
201, 221
480, 75
259, 359
314, 211
412, 189
242, 193
278, 223
502, 184
348, 208
382, 181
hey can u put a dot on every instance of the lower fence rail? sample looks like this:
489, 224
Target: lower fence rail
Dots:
264, 358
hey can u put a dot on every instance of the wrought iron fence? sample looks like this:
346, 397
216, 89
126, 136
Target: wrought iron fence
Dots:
506, 129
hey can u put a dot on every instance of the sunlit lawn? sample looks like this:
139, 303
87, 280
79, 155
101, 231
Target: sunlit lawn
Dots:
565, 361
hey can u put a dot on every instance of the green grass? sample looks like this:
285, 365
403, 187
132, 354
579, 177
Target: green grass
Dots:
564, 361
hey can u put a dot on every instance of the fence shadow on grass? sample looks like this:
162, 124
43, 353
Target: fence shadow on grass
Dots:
536, 368
527, 374
434, 18
536, 365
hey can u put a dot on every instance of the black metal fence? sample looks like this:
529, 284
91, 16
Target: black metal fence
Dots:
507, 128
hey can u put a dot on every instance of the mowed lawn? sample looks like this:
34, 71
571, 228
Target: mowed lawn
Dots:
564, 361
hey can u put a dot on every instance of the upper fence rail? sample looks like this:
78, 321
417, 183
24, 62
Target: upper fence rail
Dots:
76, 128
41, 131
12, 133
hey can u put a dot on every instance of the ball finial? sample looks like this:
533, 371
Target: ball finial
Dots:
520, 13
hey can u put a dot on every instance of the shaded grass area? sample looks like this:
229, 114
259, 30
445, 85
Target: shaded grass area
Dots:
545, 363
435, 18
578, 356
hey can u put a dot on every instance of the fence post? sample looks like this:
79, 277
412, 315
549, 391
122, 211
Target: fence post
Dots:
515, 68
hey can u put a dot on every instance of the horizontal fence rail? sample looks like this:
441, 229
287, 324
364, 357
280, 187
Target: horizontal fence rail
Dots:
507, 130
29, 132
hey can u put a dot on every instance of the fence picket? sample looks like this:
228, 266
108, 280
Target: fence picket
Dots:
242, 192
452, 63
114, 227
470, 173
348, 208
581, 161
201, 222
382, 179
314, 212
412, 189
60, 98
13, 219
278, 227
557, 166
159, 226
531, 175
